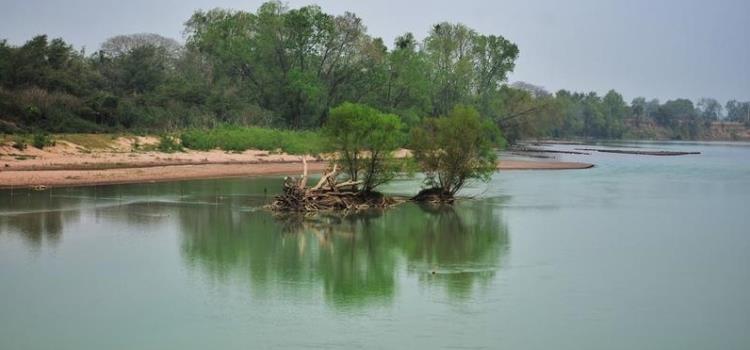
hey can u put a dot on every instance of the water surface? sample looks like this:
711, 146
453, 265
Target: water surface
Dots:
638, 252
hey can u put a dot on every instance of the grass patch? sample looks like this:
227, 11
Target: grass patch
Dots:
240, 139
90, 141
23, 141
169, 144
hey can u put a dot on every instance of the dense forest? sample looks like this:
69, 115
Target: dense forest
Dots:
287, 68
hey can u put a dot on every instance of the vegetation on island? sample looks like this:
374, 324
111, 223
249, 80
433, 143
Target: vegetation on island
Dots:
450, 150
453, 150
364, 140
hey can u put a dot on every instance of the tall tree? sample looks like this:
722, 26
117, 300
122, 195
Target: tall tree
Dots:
123, 44
738, 111
615, 109
709, 109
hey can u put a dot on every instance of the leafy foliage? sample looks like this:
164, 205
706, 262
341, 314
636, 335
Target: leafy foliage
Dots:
41, 140
169, 144
286, 68
365, 139
455, 149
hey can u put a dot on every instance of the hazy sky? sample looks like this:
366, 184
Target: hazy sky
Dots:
663, 49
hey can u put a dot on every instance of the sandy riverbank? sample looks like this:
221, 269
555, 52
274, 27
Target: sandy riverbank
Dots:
58, 178
68, 164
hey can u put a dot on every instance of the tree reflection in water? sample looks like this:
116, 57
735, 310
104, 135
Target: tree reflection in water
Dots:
357, 259
349, 261
38, 217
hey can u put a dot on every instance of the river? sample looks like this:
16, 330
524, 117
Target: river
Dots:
640, 252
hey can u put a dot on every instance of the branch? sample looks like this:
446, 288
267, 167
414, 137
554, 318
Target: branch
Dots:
324, 180
303, 180
348, 184
520, 114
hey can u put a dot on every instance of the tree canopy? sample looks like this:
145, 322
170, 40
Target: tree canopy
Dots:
455, 149
365, 139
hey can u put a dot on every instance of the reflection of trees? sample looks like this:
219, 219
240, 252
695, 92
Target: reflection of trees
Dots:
37, 217
457, 246
349, 266
354, 259
359, 265
40, 217
350, 261
36, 228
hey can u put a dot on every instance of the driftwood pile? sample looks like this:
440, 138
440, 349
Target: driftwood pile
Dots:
326, 195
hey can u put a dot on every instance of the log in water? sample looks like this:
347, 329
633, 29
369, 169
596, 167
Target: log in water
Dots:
643, 153
541, 150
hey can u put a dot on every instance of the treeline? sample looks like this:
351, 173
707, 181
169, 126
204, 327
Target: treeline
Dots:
534, 112
276, 67
286, 68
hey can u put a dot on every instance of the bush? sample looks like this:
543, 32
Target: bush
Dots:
40, 140
169, 144
454, 149
365, 139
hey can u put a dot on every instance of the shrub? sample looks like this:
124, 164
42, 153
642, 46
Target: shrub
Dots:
365, 139
169, 144
41, 140
454, 149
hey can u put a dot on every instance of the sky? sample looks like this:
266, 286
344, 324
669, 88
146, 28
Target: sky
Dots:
661, 49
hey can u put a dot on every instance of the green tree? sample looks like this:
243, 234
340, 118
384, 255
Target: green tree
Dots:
406, 87
523, 110
365, 140
709, 109
569, 105
671, 112
298, 62
494, 58
614, 109
455, 149
738, 111
449, 48
465, 65
638, 109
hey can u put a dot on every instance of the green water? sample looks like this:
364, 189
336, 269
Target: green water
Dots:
636, 253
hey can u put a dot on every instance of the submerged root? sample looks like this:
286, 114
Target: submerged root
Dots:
434, 196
